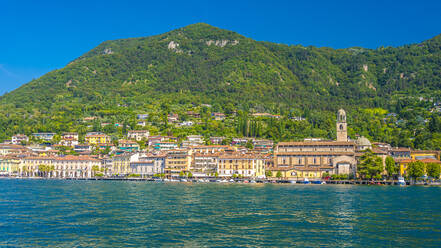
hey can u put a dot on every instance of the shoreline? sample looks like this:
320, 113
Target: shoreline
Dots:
236, 181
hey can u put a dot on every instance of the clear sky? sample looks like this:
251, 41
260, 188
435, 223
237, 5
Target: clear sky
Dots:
40, 36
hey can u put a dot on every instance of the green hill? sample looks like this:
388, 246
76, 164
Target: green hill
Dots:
202, 64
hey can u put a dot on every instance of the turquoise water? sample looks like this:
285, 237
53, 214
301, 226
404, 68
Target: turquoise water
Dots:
52, 213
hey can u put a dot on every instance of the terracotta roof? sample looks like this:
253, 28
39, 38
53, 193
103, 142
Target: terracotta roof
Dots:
206, 155
315, 153
240, 156
400, 149
405, 161
96, 135
378, 151
430, 160
76, 158
317, 143
210, 146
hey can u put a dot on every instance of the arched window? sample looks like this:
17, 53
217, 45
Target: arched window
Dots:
341, 126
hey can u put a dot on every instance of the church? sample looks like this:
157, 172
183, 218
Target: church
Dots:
313, 157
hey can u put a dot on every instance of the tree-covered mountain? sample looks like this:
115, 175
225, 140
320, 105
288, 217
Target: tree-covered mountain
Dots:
202, 64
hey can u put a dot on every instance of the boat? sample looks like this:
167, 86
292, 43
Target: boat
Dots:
183, 180
401, 181
292, 182
306, 181
252, 181
231, 180
323, 182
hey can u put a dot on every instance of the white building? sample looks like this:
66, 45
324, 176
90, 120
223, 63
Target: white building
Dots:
193, 140
18, 139
138, 135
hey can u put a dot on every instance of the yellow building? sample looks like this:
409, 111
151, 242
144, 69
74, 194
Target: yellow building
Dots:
290, 173
422, 154
9, 165
246, 165
177, 161
97, 139
121, 163
403, 163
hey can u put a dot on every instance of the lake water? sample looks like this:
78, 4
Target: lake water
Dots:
56, 213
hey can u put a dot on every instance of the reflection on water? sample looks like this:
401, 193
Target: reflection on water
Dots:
101, 214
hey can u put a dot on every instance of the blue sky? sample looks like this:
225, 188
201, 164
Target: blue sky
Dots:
40, 36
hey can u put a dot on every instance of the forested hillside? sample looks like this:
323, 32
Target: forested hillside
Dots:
199, 64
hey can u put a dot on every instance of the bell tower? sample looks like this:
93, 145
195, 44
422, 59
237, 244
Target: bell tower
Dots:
342, 127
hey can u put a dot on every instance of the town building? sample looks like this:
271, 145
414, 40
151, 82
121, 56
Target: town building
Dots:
218, 116
164, 146
9, 165
142, 116
193, 114
211, 149
96, 139
138, 135
73, 136
262, 143
246, 165
312, 158
155, 139
362, 144
128, 146
216, 140
204, 164
7, 149
19, 139
44, 136
193, 140
121, 163
149, 165
83, 148
400, 153
69, 139
404, 163
173, 118
177, 161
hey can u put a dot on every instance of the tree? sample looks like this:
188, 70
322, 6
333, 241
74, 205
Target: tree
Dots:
268, 173
391, 167
369, 165
95, 169
279, 174
181, 174
415, 169
249, 144
190, 175
433, 170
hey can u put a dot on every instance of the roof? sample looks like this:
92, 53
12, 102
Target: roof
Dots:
317, 143
430, 160
76, 158
400, 149
240, 156
363, 141
315, 153
96, 135
378, 151
210, 146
